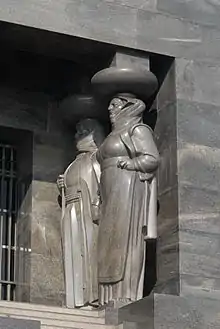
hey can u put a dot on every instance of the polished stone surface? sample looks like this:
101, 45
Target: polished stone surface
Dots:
131, 58
23, 109
198, 176
166, 311
43, 152
187, 134
197, 80
200, 11
139, 4
10, 323
168, 238
173, 28
153, 26
47, 279
46, 230
49, 158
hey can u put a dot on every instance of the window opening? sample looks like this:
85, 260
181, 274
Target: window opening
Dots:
8, 221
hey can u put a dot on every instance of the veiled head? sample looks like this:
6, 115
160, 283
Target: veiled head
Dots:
89, 134
125, 106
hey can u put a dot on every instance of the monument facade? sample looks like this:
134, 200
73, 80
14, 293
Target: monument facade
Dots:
47, 47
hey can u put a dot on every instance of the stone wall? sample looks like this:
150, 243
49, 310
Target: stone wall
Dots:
188, 126
40, 272
198, 174
172, 27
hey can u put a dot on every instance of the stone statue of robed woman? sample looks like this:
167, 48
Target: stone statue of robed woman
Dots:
79, 187
129, 159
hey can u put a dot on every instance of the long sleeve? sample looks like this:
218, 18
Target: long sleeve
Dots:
147, 157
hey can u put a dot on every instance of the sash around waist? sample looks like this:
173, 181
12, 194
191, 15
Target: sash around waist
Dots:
72, 195
112, 162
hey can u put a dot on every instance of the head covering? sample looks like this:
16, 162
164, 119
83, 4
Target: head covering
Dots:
89, 135
129, 114
137, 81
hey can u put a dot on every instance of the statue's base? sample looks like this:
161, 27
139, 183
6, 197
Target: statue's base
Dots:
168, 312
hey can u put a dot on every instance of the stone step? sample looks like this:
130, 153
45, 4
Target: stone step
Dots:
51, 309
55, 317
27, 313
102, 327
58, 324
121, 326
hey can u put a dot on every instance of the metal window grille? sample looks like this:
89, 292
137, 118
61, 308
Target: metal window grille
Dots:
8, 217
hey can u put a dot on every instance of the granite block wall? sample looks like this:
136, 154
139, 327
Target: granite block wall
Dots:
168, 224
198, 174
187, 133
176, 28
40, 266
188, 120
165, 311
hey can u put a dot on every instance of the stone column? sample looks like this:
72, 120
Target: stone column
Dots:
188, 139
132, 58
198, 131
168, 222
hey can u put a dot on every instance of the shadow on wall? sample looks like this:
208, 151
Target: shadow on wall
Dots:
21, 142
160, 66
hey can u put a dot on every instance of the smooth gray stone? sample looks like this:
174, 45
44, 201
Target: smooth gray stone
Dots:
202, 11
168, 167
165, 130
97, 18
131, 58
169, 286
168, 221
198, 80
50, 290
200, 257
167, 92
46, 256
168, 35
45, 226
10, 323
48, 162
198, 203
140, 4
166, 311
161, 33
199, 236
200, 286
198, 124
115, 23
22, 109
181, 313
198, 166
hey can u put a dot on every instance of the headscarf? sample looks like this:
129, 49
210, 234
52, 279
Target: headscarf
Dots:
89, 135
130, 114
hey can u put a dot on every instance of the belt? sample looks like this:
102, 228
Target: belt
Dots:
112, 162
70, 196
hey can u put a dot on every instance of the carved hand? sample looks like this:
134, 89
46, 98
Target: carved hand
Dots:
128, 164
95, 214
60, 182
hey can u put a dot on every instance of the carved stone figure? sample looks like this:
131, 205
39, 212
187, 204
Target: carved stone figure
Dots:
129, 160
80, 201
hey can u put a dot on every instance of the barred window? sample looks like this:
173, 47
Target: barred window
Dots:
8, 218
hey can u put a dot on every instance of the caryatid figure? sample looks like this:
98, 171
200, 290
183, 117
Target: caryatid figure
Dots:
79, 189
129, 159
